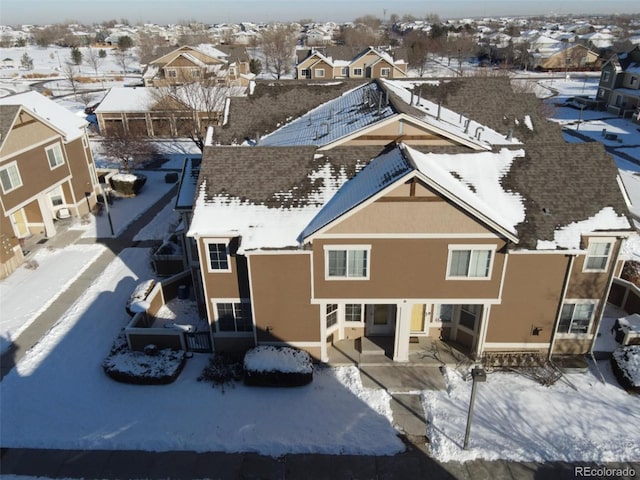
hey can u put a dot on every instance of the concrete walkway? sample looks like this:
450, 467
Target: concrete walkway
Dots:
43, 323
412, 464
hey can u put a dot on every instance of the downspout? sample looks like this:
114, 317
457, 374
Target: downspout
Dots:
563, 296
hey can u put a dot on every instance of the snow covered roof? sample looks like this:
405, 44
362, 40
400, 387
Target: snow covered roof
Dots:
333, 120
71, 125
127, 99
188, 184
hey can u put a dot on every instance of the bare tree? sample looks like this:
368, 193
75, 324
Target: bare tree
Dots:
129, 147
195, 104
69, 72
151, 46
93, 59
278, 43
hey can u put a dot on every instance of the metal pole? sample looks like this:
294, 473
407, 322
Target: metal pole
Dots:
470, 416
106, 205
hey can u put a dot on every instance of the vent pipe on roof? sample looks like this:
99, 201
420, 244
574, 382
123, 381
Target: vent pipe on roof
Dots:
479, 131
386, 97
510, 135
326, 124
466, 125
439, 108
419, 95
379, 104
310, 120
411, 102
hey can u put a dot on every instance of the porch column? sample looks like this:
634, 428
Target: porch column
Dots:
403, 328
47, 217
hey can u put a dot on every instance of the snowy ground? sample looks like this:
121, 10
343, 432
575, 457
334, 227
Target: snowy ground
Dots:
516, 418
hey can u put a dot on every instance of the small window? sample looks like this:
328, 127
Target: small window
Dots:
384, 72
353, 312
56, 197
332, 314
172, 73
10, 178
597, 258
319, 72
576, 318
344, 71
469, 263
218, 256
634, 81
234, 317
601, 93
347, 263
305, 73
54, 155
444, 313
605, 77
357, 72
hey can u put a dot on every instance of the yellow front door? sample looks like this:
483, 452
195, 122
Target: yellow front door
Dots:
19, 220
417, 318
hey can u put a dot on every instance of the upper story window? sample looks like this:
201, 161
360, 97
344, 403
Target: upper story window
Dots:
598, 254
54, 155
357, 72
576, 317
470, 262
605, 76
234, 316
218, 256
347, 262
385, 72
10, 177
319, 72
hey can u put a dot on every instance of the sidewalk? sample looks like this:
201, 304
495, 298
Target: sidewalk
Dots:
43, 323
413, 464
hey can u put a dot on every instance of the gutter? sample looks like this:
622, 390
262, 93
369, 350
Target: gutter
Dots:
565, 287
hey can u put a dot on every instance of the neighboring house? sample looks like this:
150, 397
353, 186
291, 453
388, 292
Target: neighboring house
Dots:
566, 57
46, 171
156, 112
383, 213
370, 63
619, 87
187, 64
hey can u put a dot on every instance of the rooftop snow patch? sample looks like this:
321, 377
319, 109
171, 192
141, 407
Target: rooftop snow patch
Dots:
335, 119
475, 179
569, 236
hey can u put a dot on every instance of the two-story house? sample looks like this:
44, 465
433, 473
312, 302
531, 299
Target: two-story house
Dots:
369, 63
46, 171
388, 213
188, 64
619, 87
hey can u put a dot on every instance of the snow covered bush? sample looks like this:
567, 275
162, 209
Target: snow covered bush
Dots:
139, 368
277, 367
626, 366
223, 370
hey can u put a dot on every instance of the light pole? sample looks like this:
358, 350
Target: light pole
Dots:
106, 206
478, 374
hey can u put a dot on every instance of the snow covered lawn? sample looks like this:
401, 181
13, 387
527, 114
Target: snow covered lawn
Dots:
518, 419
28, 292
87, 410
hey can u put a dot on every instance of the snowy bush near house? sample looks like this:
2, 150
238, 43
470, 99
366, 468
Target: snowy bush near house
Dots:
626, 366
277, 366
127, 184
141, 368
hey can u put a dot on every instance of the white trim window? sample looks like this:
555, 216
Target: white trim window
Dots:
357, 72
347, 262
233, 316
576, 317
56, 197
443, 313
470, 262
319, 72
10, 177
344, 71
54, 156
598, 254
172, 73
331, 314
385, 72
353, 312
218, 259
305, 73
605, 76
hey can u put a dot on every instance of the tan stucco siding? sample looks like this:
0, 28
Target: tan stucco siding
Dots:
79, 159
530, 298
36, 175
26, 132
218, 285
414, 217
400, 130
180, 62
405, 269
586, 285
321, 65
365, 60
281, 289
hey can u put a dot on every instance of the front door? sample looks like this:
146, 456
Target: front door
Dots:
466, 324
380, 320
19, 221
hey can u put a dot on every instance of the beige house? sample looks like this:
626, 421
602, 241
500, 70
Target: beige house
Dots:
46, 171
370, 63
571, 57
187, 64
384, 214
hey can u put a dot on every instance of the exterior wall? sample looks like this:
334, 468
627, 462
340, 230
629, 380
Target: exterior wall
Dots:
26, 132
531, 298
363, 62
584, 284
281, 294
80, 160
400, 130
233, 284
328, 70
407, 269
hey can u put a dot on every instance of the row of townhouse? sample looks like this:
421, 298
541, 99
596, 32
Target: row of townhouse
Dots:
619, 86
369, 63
387, 213
46, 171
